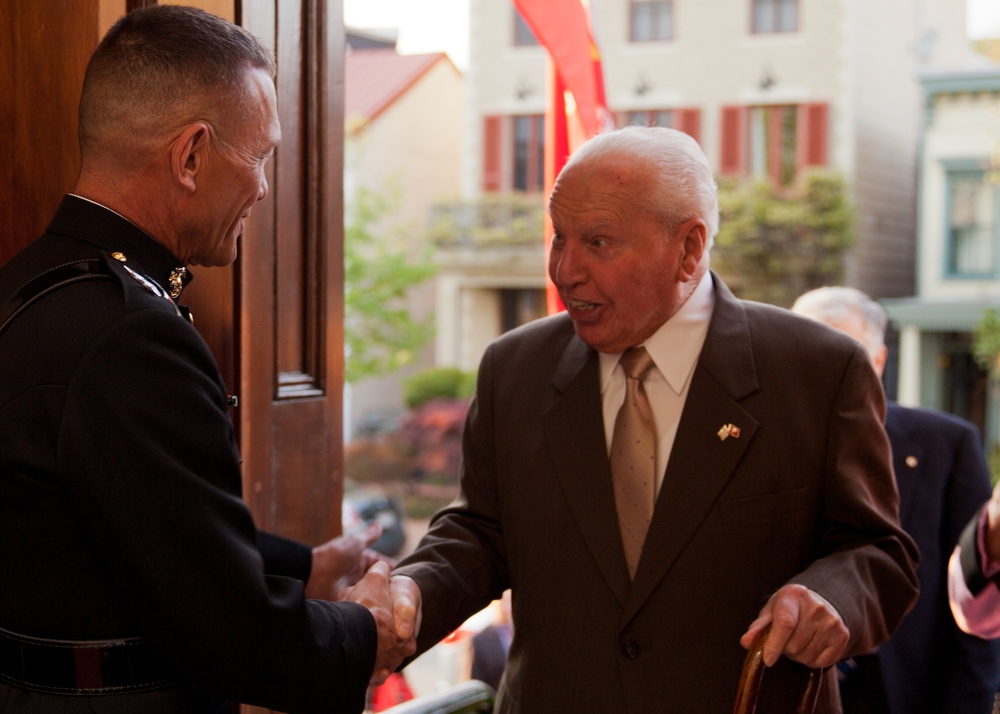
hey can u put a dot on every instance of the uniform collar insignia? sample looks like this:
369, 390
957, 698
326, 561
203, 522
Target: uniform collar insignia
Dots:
151, 286
177, 281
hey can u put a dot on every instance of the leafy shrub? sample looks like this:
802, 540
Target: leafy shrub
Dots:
382, 461
438, 382
433, 433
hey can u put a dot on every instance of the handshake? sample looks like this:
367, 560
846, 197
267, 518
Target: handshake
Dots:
395, 604
345, 569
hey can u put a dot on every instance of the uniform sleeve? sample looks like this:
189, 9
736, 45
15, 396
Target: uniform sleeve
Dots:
974, 599
150, 461
283, 556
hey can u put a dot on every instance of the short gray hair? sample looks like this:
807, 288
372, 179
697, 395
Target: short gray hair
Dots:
161, 67
836, 304
685, 187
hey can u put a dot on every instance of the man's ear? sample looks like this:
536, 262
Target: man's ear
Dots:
187, 154
879, 359
693, 236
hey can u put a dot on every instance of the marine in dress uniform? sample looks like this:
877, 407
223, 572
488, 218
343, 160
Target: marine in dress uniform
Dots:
130, 561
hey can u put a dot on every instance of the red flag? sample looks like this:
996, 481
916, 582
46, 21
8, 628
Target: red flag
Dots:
563, 28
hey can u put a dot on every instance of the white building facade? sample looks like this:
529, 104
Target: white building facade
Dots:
768, 87
958, 256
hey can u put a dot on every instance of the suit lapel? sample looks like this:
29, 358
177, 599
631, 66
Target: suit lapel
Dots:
700, 462
574, 430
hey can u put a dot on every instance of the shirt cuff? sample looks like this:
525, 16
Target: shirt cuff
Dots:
990, 568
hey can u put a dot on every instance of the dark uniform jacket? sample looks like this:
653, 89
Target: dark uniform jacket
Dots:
120, 488
804, 494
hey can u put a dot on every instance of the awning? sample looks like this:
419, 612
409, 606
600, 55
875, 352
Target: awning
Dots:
936, 315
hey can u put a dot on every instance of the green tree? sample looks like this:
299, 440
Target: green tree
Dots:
986, 350
775, 242
986, 341
380, 334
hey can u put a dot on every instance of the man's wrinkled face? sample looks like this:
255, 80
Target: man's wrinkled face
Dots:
615, 265
235, 179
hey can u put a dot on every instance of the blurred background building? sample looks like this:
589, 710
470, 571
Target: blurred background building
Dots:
770, 88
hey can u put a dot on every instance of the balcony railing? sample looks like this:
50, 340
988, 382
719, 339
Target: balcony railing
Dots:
472, 697
492, 220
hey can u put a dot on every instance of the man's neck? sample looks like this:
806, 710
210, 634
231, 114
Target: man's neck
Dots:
128, 199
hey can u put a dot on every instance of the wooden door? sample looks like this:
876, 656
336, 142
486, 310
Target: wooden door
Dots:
44, 49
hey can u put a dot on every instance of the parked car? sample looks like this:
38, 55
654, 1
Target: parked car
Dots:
365, 504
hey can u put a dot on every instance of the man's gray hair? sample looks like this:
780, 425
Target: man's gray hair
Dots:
836, 304
685, 187
162, 67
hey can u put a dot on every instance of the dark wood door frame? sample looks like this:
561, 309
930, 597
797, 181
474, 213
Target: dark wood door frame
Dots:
289, 290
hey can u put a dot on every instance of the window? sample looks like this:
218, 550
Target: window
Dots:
651, 20
514, 153
775, 15
529, 152
774, 141
519, 306
654, 117
773, 133
523, 36
972, 224
686, 120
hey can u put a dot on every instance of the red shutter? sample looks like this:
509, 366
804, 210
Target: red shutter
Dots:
813, 120
775, 143
731, 159
491, 153
689, 121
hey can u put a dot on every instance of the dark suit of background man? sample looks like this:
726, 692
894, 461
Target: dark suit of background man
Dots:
929, 666
132, 575
490, 645
776, 505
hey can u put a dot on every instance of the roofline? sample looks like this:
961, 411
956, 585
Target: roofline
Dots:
403, 89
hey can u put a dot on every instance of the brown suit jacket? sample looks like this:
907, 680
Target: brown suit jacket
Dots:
805, 494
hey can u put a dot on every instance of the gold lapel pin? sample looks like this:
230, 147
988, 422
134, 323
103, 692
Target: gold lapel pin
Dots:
912, 461
727, 430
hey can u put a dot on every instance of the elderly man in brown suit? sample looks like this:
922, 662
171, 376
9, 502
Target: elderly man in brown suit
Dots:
769, 494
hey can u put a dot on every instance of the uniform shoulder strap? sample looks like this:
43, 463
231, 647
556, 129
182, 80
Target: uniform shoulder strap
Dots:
48, 281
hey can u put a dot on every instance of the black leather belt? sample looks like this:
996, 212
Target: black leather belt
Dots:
81, 668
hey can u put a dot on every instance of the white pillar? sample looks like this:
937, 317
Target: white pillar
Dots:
448, 321
908, 387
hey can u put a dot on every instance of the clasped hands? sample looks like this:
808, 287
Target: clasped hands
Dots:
805, 627
396, 613
346, 569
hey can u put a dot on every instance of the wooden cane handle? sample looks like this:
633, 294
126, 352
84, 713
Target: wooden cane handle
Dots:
753, 673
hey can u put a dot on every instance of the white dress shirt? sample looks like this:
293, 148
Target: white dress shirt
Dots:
674, 347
